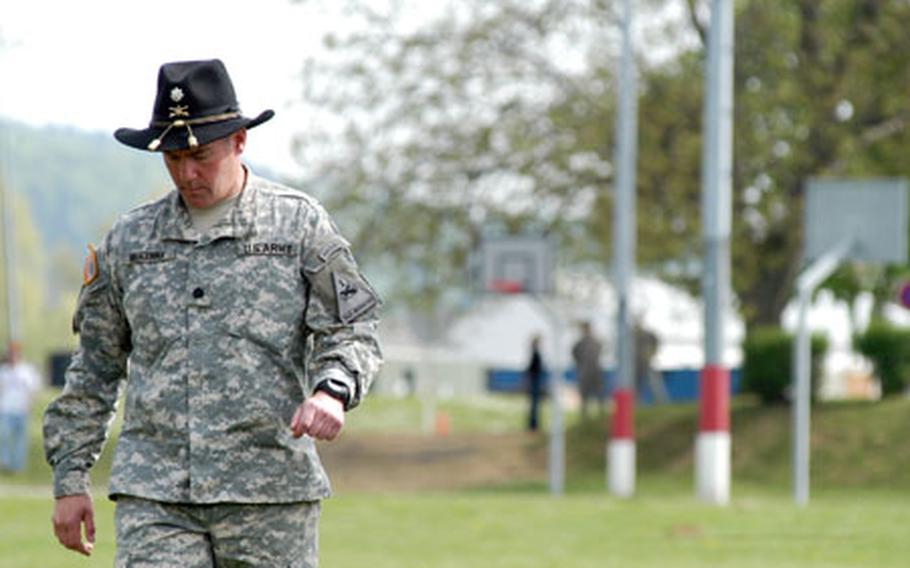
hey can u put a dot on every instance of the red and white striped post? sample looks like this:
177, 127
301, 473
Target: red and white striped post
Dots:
621, 448
712, 446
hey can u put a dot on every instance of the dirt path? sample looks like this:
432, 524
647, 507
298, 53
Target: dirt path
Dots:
413, 462
394, 462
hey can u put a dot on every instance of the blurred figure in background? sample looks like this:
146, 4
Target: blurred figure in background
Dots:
646, 345
534, 384
19, 381
586, 353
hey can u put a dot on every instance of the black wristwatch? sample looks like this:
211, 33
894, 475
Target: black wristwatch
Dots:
336, 389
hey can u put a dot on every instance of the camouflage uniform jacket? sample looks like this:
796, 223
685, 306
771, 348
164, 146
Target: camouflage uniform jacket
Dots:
219, 338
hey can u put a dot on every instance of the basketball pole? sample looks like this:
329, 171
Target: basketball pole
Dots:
806, 284
621, 445
556, 452
849, 219
524, 265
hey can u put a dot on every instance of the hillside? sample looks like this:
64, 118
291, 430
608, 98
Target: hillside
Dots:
67, 187
854, 445
75, 182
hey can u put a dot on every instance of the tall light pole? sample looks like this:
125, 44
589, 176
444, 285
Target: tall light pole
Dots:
712, 447
12, 322
6, 217
621, 446
8, 250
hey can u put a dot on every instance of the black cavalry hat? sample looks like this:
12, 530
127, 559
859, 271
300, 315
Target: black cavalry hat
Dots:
195, 105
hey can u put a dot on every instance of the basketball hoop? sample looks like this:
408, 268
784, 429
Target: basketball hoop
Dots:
515, 265
504, 286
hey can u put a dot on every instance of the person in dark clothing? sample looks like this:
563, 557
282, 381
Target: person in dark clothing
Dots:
534, 382
586, 353
646, 376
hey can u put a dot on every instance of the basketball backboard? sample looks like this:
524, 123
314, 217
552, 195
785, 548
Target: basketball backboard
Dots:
872, 213
516, 264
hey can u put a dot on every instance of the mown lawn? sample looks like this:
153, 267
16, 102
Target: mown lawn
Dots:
858, 515
531, 530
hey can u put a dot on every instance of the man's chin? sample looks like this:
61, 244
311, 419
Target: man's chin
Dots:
196, 199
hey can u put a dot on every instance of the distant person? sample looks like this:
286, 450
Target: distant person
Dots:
646, 345
19, 381
234, 317
533, 378
586, 353
409, 382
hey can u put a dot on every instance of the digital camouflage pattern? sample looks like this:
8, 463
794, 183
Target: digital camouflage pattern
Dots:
217, 339
223, 535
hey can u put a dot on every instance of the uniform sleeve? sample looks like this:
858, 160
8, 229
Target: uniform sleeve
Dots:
342, 314
77, 422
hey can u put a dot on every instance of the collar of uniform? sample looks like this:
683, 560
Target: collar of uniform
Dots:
174, 222
243, 216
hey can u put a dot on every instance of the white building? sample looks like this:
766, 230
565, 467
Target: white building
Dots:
496, 331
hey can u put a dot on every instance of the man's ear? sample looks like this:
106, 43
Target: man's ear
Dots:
239, 140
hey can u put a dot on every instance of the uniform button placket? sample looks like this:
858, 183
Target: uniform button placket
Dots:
196, 382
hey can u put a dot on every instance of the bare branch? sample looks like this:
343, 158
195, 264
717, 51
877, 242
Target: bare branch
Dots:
696, 23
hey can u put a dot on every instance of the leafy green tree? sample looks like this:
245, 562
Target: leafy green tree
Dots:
77, 182
436, 133
803, 108
43, 315
66, 187
477, 119
821, 91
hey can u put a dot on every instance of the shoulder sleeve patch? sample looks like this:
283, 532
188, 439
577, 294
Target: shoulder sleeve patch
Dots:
353, 297
90, 268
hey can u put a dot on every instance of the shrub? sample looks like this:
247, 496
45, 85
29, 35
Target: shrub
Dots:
768, 363
889, 350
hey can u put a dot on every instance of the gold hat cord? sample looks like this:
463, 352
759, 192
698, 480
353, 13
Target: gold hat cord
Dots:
191, 138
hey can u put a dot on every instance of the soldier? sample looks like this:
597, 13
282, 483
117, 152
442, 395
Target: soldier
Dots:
646, 376
235, 317
586, 353
534, 383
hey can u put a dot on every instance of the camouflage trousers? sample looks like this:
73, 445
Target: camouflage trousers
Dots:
154, 534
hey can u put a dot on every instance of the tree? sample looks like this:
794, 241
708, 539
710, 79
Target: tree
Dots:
44, 315
805, 106
65, 188
471, 120
821, 91
447, 129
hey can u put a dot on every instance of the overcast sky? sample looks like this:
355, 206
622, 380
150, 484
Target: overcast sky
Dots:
93, 64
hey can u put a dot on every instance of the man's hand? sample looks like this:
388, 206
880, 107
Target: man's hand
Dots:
70, 514
321, 416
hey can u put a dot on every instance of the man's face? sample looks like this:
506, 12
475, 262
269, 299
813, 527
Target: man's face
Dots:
208, 174
13, 352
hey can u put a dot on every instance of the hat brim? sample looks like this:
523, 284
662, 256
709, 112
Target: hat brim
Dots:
178, 139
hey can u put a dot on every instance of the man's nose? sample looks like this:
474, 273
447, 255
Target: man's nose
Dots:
187, 170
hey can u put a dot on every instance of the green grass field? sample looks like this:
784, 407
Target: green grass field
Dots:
855, 529
858, 516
